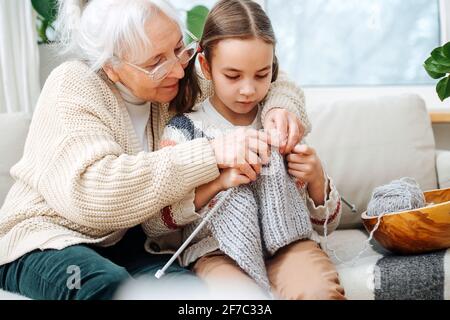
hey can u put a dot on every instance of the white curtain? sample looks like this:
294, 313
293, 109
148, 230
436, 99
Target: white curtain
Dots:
19, 57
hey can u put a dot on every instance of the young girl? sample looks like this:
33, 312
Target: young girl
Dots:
238, 56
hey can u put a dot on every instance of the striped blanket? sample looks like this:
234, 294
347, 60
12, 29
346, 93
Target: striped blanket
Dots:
382, 275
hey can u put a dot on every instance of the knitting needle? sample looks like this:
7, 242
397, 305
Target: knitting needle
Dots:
351, 206
162, 271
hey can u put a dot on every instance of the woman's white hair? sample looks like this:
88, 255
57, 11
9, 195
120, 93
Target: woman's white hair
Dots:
102, 31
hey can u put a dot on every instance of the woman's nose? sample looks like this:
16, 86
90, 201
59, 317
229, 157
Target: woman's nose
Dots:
177, 71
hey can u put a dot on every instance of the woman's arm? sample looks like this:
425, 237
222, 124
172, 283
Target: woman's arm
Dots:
85, 175
180, 130
286, 94
177, 215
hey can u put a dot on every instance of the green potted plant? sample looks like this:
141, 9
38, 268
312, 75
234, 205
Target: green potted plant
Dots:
195, 20
438, 67
47, 12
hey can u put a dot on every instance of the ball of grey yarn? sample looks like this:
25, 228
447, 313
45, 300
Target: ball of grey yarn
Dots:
398, 195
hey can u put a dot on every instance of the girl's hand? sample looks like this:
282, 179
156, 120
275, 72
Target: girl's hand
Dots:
289, 128
243, 149
230, 178
305, 165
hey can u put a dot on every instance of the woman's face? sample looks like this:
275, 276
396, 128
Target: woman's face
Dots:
166, 40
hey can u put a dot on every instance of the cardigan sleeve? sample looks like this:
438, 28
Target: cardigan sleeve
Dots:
330, 212
179, 214
88, 178
283, 93
331, 209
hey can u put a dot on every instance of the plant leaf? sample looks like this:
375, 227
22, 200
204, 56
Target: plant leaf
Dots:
443, 88
446, 50
433, 66
439, 57
434, 75
46, 8
196, 18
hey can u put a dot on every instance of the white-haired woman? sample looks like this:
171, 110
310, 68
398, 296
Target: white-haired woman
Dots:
92, 183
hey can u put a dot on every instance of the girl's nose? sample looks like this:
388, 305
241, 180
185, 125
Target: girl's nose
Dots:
248, 90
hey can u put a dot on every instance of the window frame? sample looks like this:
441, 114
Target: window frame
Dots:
324, 94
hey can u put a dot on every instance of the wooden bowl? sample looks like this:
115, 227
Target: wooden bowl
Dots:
415, 231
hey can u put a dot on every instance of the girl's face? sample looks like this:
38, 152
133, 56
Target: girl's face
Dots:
241, 71
167, 41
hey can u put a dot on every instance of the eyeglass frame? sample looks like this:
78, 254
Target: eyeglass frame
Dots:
151, 74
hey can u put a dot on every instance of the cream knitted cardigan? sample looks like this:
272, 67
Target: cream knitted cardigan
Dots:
84, 178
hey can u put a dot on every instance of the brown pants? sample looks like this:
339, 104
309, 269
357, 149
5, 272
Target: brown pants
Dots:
300, 271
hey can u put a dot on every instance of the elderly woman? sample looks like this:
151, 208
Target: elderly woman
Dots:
92, 184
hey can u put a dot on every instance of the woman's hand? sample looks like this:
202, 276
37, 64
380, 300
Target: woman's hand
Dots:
243, 149
288, 127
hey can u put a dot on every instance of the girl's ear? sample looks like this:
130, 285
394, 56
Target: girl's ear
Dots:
111, 73
205, 66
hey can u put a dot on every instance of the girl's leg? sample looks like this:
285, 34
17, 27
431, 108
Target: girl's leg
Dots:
303, 270
76, 272
225, 279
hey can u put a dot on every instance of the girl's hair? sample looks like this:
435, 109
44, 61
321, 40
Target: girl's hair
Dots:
241, 19
102, 31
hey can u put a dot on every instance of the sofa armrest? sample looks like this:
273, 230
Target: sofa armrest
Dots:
443, 168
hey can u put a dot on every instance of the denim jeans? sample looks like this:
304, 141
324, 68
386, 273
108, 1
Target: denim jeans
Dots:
85, 272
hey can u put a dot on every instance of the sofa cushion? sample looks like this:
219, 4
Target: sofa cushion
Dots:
14, 132
368, 143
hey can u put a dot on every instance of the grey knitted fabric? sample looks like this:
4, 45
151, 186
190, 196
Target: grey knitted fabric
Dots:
283, 214
398, 195
256, 220
236, 228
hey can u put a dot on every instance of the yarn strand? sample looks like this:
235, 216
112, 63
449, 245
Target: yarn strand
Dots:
401, 191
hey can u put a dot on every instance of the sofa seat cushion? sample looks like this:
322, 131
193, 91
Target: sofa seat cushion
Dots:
381, 275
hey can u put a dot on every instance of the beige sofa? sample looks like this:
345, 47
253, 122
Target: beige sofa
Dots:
364, 144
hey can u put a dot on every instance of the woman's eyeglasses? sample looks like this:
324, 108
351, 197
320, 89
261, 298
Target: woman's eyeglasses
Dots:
161, 70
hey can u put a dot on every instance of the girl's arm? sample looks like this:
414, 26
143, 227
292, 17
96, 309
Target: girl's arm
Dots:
228, 178
329, 205
205, 193
316, 187
318, 191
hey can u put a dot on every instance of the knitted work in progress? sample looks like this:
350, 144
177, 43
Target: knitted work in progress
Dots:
398, 195
256, 220
283, 214
236, 227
